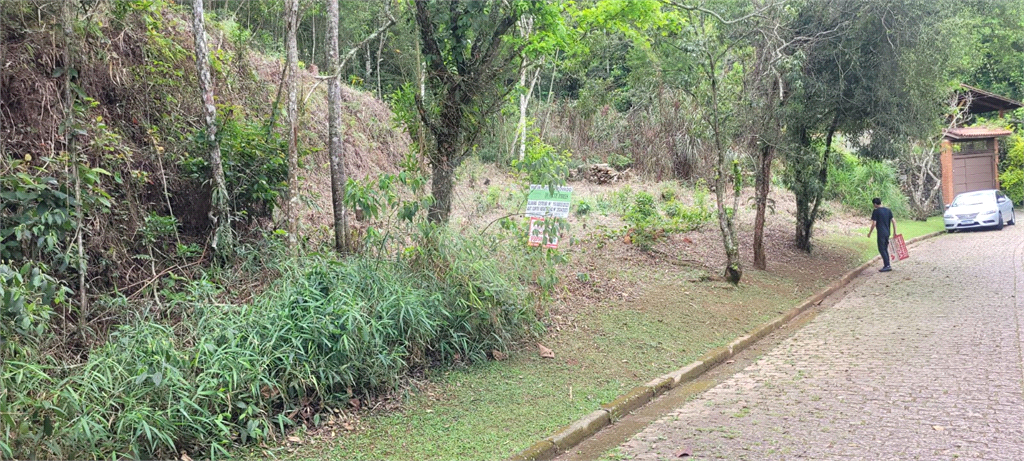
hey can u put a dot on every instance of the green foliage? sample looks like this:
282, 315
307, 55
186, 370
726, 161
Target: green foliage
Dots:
36, 217
542, 164
328, 330
668, 193
255, 168
619, 162
583, 208
27, 296
1011, 176
646, 221
854, 182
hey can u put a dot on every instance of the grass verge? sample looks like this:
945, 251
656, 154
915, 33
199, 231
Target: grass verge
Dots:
494, 410
865, 247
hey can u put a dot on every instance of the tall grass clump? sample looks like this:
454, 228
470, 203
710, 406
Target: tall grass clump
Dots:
220, 375
854, 182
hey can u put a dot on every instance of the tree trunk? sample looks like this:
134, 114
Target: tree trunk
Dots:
72, 150
369, 64
524, 101
804, 224
335, 143
733, 270
3, 57
380, 52
762, 185
442, 184
222, 237
812, 203
292, 196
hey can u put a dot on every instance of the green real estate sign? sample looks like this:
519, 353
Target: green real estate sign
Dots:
541, 203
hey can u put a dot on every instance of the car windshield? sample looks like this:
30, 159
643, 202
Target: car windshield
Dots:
972, 199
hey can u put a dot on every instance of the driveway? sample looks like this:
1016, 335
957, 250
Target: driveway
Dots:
923, 362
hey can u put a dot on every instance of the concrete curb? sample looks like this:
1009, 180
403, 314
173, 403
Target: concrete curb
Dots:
571, 435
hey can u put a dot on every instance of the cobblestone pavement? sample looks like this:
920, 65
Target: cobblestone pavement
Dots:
920, 363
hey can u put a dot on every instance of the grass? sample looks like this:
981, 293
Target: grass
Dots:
865, 247
494, 410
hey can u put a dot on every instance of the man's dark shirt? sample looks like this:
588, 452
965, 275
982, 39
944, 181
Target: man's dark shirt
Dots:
882, 217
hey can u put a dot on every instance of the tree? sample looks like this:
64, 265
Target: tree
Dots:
874, 73
335, 145
334, 142
765, 87
525, 28
292, 195
721, 64
997, 42
71, 130
3, 57
469, 51
222, 237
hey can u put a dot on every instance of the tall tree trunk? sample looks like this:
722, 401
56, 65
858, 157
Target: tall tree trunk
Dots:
72, 150
762, 185
524, 101
335, 143
449, 151
812, 203
3, 59
525, 29
733, 269
380, 52
369, 65
222, 238
292, 199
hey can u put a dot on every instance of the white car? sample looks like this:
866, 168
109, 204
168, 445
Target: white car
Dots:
977, 209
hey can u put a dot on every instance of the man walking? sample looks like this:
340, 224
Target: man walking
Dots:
882, 218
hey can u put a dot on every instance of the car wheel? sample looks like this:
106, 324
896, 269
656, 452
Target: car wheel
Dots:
1013, 218
1000, 225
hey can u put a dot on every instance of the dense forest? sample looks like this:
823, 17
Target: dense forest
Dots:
219, 219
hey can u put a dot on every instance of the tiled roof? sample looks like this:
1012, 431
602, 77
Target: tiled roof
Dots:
975, 132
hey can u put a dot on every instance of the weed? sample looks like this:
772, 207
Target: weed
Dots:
583, 208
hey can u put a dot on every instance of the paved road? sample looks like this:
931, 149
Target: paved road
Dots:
924, 362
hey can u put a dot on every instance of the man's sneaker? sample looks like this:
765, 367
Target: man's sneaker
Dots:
885, 269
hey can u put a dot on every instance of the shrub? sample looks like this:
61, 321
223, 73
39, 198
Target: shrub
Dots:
1011, 178
620, 162
854, 182
583, 208
646, 221
255, 168
327, 330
